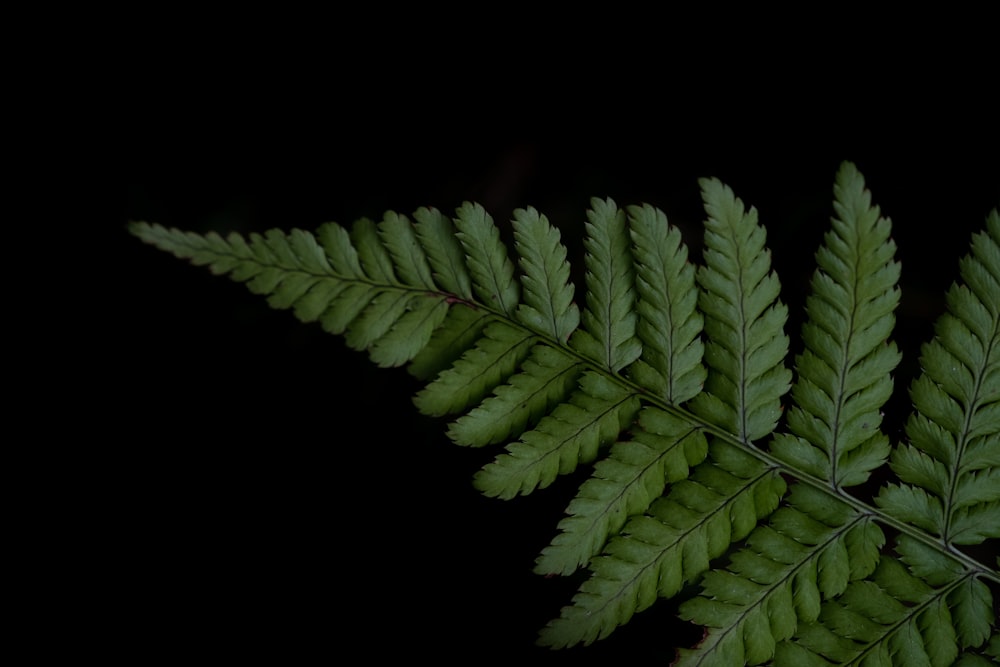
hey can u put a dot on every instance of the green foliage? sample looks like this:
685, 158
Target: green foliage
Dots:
715, 472
844, 373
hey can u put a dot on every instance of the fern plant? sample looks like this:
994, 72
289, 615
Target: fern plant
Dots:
721, 472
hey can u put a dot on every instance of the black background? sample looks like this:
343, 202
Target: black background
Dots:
265, 492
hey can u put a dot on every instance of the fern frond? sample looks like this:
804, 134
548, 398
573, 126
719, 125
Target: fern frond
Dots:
494, 358
544, 379
571, 434
744, 320
437, 237
635, 473
897, 618
374, 257
672, 544
660, 447
346, 283
547, 293
667, 383
844, 372
461, 329
951, 467
608, 332
405, 250
486, 257
809, 550
669, 323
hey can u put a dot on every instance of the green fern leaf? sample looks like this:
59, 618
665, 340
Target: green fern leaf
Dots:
661, 447
669, 323
547, 293
844, 373
409, 333
608, 333
670, 545
486, 257
374, 257
571, 434
377, 319
545, 379
811, 547
938, 631
634, 474
408, 259
897, 618
667, 385
459, 331
436, 236
339, 251
744, 321
547, 376
347, 283
950, 470
494, 358
972, 606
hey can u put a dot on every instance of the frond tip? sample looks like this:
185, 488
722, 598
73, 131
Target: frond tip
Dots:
664, 389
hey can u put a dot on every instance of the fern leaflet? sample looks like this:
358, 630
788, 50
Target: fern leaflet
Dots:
672, 544
744, 320
809, 550
844, 373
951, 468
